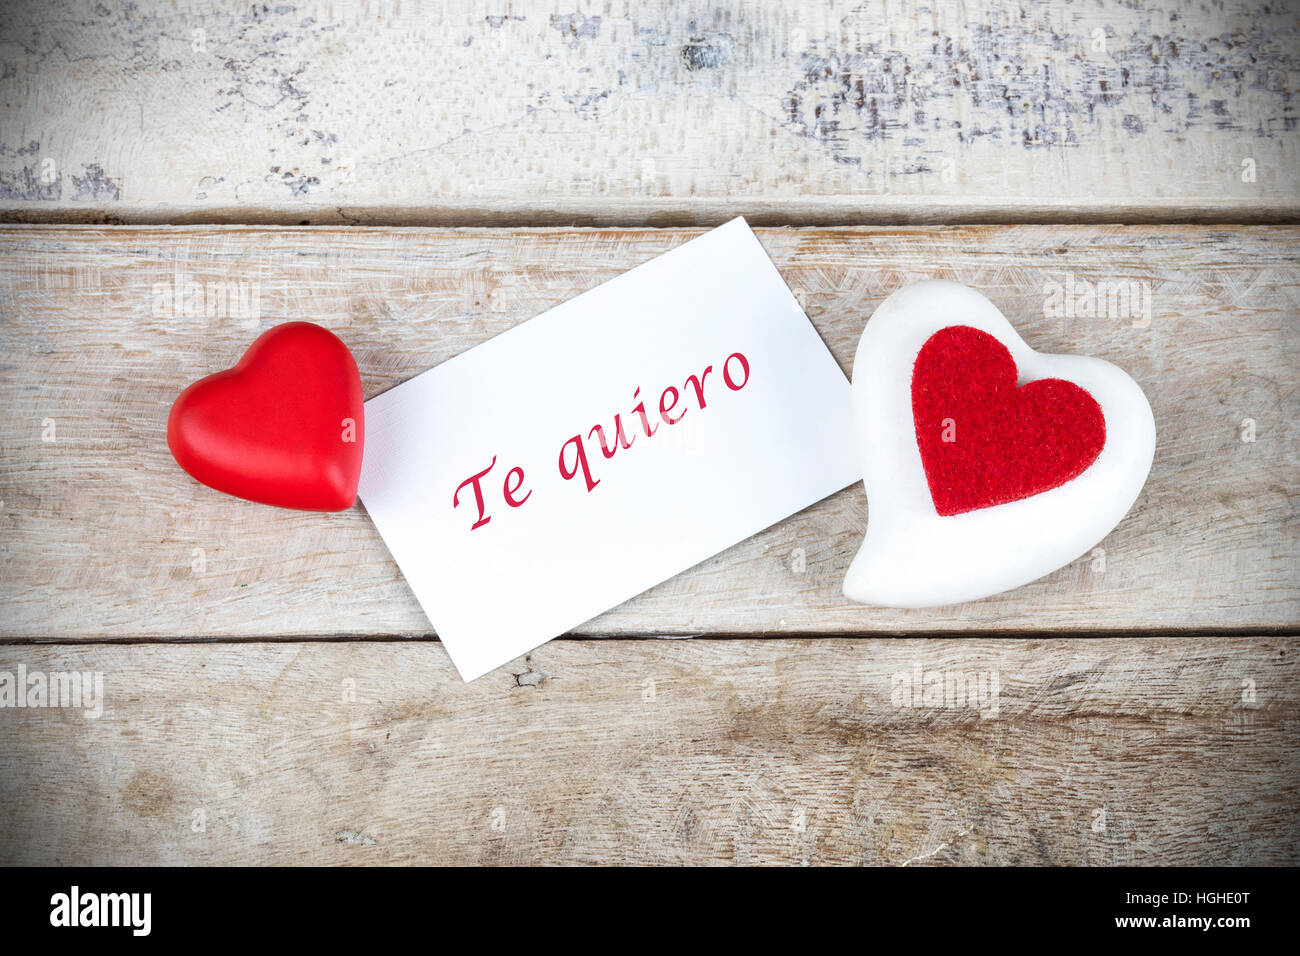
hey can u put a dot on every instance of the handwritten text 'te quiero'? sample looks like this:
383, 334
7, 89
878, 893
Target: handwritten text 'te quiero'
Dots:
673, 406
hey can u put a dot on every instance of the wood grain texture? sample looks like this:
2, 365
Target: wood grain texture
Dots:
105, 537
459, 111
1122, 751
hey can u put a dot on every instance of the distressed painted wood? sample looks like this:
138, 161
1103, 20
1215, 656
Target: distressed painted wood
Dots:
303, 737
1123, 751
104, 537
516, 112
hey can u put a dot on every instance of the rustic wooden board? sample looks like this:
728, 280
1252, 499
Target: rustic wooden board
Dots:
268, 715
1121, 751
457, 111
103, 536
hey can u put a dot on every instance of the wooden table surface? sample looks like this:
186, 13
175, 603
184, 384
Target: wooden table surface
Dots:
272, 691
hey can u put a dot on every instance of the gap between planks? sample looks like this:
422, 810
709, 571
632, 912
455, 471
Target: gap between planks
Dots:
1063, 633
916, 211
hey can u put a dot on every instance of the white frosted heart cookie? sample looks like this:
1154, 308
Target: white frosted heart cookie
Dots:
986, 464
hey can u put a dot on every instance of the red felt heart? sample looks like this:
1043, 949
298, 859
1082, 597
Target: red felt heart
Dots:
986, 442
284, 427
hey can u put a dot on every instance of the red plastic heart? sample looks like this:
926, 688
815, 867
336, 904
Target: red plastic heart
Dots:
285, 426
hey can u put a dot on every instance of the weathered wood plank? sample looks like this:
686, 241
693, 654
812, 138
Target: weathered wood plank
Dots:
655, 113
103, 536
1122, 751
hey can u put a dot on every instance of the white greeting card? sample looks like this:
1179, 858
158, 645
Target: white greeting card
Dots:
569, 464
